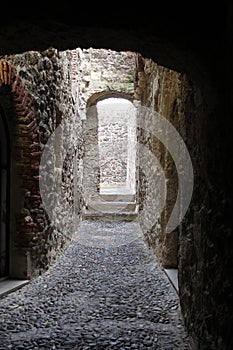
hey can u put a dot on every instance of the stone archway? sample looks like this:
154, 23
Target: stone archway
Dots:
117, 145
25, 216
92, 155
177, 43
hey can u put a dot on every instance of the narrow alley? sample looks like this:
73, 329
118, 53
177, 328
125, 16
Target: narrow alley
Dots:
137, 103
105, 292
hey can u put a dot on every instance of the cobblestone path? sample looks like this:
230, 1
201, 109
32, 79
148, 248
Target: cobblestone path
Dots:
105, 292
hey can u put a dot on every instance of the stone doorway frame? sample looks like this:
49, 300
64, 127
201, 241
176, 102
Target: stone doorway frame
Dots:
92, 183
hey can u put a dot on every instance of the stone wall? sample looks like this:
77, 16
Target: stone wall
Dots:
205, 253
47, 83
203, 50
51, 128
23, 200
197, 246
113, 152
103, 74
159, 89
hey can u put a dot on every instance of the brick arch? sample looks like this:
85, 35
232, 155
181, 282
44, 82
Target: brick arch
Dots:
26, 149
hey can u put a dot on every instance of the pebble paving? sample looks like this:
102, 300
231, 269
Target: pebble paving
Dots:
105, 291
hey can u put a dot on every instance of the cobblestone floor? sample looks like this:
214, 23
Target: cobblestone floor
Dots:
105, 292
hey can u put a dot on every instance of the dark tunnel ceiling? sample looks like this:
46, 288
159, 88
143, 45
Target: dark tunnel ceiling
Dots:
194, 22
163, 32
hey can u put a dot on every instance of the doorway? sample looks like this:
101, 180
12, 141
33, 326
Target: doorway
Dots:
4, 198
117, 145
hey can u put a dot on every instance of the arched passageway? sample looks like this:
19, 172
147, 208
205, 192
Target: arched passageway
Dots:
204, 54
117, 145
110, 163
110, 143
95, 138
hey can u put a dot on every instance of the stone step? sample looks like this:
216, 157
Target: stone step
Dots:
112, 206
116, 197
111, 215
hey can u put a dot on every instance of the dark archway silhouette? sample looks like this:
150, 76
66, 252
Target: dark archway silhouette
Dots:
23, 166
4, 197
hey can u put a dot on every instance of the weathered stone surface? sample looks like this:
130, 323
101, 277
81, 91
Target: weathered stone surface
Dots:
105, 292
159, 90
48, 92
196, 41
42, 100
195, 246
102, 74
